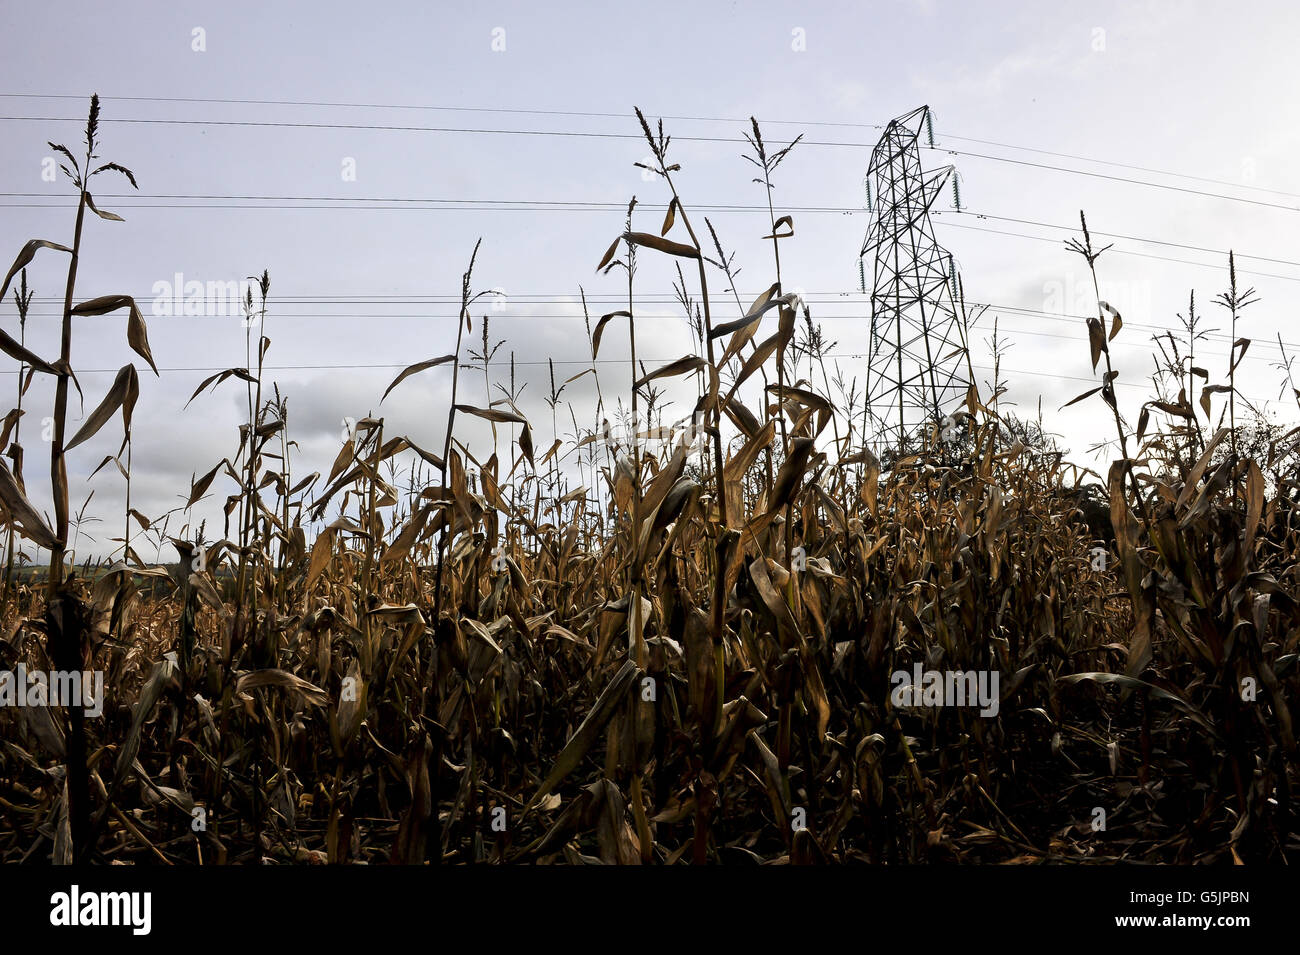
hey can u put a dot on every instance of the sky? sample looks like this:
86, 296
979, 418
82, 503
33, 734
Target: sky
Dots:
358, 152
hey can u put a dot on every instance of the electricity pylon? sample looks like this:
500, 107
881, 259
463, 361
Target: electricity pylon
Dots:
917, 364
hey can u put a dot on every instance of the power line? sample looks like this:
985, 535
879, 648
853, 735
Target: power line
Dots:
1011, 333
650, 299
1141, 255
540, 205
584, 134
347, 366
1124, 179
1001, 232
1123, 165
660, 299
625, 116
596, 205
1111, 235
1021, 235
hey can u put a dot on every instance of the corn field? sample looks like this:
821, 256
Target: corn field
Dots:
619, 650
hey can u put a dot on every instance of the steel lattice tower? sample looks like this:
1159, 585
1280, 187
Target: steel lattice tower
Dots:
916, 356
